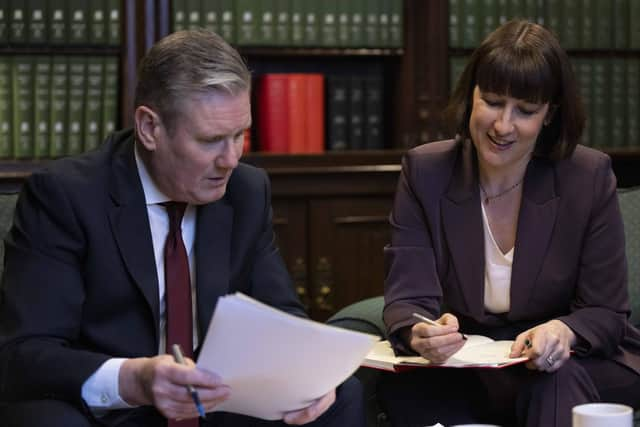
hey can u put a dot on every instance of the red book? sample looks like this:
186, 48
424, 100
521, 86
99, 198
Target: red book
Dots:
315, 113
297, 112
273, 118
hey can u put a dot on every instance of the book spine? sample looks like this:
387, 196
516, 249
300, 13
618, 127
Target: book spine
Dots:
59, 106
620, 24
503, 11
618, 97
297, 22
384, 24
266, 23
78, 20
454, 23
343, 27
18, 23
77, 78
553, 18
6, 102
602, 24
109, 96
23, 106
42, 97
373, 129
58, 24
94, 84
356, 113
328, 23
456, 67
570, 27
246, 22
113, 22
337, 111
178, 15
488, 17
37, 22
633, 101
587, 25
634, 28
600, 108
372, 23
227, 21
584, 73
97, 23
311, 23
297, 112
314, 139
396, 28
470, 24
356, 22
283, 23
210, 15
273, 110
192, 14
4, 18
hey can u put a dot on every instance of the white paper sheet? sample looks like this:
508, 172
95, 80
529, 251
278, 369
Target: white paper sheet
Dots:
276, 362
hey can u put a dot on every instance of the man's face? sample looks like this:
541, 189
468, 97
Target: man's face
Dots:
194, 164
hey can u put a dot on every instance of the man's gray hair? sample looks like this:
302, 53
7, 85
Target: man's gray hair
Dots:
187, 64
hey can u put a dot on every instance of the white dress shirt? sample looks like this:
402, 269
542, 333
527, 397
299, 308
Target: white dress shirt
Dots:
100, 390
497, 272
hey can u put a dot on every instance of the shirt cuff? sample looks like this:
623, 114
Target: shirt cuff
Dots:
101, 390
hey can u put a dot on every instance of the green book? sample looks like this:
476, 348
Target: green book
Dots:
4, 18
98, 23
179, 15
283, 23
586, 27
600, 107
37, 22
328, 23
488, 17
192, 13
77, 79
634, 28
227, 21
470, 24
372, 23
515, 9
78, 22
23, 134
58, 24
42, 97
247, 12
456, 67
109, 96
618, 99
602, 20
633, 101
266, 23
342, 16
356, 22
570, 27
18, 23
59, 106
311, 23
113, 22
94, 84
210, 15
620, 24
337, 112
582, 67
297, 22
6, 102
396, 28
384, 23
533, 11
455, 14
554, 19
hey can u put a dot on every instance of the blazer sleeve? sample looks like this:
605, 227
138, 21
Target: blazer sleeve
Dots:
42, 299
599, 310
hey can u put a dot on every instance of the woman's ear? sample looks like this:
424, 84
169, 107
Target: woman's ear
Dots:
147, 125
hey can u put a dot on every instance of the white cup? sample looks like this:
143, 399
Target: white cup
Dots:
602, 415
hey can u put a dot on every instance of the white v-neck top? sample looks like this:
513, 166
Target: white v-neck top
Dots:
497, 272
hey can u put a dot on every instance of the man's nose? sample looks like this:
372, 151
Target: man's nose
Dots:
229, 157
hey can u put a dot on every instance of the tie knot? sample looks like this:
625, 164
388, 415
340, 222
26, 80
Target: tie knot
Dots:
175, 211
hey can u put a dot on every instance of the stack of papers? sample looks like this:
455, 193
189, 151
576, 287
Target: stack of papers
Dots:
275, 362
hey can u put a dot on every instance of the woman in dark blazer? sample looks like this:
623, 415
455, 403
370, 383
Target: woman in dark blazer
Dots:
513, 231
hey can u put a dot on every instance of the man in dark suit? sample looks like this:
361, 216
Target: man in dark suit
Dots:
86, 319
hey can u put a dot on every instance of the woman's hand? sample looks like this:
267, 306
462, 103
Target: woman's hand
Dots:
548, 345
436, 343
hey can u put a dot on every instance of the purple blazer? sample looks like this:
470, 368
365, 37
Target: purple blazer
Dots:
569, 259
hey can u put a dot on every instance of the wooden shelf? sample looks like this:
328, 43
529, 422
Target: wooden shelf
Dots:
317, 51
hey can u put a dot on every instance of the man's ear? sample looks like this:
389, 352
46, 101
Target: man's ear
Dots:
148, 127
550, 113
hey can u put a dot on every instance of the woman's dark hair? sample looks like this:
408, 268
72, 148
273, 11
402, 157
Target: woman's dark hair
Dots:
525, 61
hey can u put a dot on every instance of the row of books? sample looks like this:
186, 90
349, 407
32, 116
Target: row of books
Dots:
610, 89
60, 22
579, 24
296, 23
52, 106
297, 110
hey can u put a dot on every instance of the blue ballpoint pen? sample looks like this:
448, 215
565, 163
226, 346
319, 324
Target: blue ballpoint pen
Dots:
177, 355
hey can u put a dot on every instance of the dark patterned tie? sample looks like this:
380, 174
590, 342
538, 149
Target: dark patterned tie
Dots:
178, 291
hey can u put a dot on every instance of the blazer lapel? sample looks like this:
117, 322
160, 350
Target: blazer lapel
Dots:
536, 221
213, 258
462, 224
130, 226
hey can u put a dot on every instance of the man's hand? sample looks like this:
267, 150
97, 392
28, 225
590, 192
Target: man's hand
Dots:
161, 382
312, 412
437, 343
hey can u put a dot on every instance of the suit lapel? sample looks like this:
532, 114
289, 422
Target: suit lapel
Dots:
462, 223
536, 221
130, 225
213, 258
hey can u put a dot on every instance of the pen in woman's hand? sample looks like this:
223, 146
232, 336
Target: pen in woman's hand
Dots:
177, 355
432, 322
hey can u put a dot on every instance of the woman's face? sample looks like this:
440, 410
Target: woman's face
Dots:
504, 129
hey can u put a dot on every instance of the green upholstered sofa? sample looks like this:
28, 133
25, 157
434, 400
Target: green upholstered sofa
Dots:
366, 315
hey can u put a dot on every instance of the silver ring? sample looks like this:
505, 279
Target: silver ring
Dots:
550, 360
